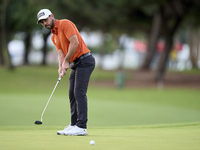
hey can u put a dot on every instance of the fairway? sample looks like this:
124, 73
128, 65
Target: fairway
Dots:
118, 119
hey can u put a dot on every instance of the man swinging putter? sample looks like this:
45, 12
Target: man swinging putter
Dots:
72, 52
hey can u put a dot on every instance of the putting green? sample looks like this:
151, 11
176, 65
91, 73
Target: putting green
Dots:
184, 137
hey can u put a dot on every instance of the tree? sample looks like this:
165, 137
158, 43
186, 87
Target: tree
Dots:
167, 20
4, 36
19, 21
45, 48
194, 39
154, 37
192, 23
154, 18
23, 20
1, 53
173, 13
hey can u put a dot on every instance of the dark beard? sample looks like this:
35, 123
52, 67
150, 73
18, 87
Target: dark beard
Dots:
51, 25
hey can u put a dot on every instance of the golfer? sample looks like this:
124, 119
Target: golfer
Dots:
72, 52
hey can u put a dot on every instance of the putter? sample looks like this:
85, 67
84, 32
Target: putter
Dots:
40, 122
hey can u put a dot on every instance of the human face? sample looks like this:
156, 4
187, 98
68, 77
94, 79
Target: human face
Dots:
48, 23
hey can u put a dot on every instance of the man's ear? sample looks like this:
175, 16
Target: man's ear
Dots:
52, 15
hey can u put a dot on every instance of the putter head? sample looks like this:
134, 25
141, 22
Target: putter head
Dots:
38, 122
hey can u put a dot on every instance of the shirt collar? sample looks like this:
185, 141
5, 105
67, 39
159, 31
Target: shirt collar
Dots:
55, 29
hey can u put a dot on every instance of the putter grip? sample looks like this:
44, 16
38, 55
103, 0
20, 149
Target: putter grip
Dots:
60, 76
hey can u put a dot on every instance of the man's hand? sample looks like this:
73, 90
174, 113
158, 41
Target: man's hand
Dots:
59, 70
65, 67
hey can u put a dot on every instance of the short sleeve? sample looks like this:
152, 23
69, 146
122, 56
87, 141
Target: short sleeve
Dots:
68, 28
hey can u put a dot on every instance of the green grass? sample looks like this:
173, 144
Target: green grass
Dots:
118, 119
143, 138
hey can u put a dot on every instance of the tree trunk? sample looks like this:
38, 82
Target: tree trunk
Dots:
198, 50
1, 53
102, 52
45, 48
169, 31
154, 36
27, 48
194, 47
169, 26
164, 58
4, 35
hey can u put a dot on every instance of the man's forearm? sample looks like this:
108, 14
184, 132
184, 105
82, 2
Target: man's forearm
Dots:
61, 57
71, 51
60, 61
72, 47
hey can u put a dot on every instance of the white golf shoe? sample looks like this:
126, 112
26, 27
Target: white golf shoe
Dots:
67, 128
76, 131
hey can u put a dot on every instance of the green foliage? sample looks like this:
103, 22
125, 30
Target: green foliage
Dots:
108, 15
22, 15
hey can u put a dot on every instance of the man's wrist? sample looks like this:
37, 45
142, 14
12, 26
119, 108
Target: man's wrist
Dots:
67, 59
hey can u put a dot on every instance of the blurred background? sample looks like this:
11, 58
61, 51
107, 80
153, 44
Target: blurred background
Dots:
156, 36
140, 46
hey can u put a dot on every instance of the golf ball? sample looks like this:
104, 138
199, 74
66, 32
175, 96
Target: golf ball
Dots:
92, 142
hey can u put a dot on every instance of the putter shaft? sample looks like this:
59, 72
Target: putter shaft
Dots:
51, 95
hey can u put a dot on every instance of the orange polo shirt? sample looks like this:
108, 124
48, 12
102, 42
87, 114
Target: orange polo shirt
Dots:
62, 31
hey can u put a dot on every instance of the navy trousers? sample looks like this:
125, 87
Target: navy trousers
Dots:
79, 79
